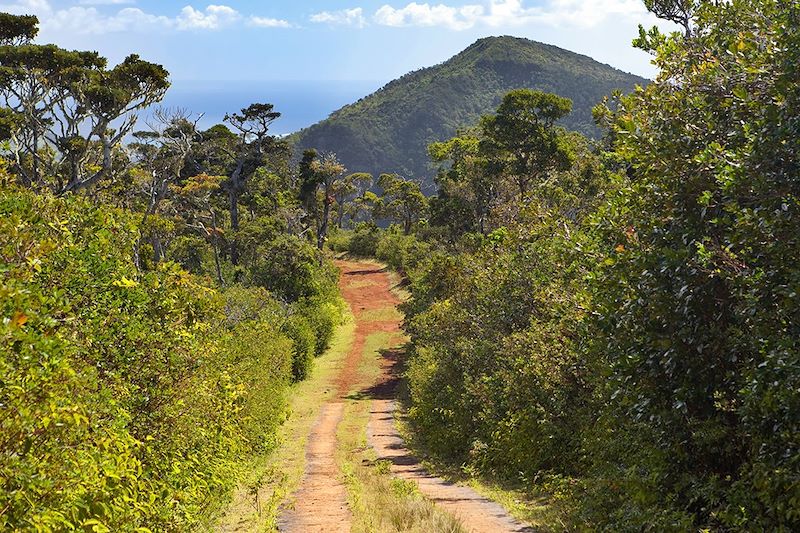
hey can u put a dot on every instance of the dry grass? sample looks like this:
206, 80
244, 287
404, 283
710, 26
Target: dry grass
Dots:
386, 314
381, 503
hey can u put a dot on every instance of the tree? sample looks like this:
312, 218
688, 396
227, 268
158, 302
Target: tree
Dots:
523, 138
403, 200
199, 212
466, 190
695, 305
329, 171
63, 104
346, 191
17, 30
252, 123
678, 11
162, 151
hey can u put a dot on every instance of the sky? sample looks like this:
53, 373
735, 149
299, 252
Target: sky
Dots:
342, 40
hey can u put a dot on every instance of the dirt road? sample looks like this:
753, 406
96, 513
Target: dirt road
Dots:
320, 505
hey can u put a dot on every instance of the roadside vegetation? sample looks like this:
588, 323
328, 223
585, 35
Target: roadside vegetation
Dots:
380, 502
159, 296
610, 324
270, 480
616, 322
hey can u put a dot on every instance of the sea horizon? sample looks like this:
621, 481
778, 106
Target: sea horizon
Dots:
301, 103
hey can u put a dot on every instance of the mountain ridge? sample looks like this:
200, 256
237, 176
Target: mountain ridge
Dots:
389, 130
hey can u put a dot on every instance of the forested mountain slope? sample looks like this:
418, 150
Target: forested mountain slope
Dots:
389, 130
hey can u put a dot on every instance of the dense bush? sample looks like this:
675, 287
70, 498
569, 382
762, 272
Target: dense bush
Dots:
364, 240
695, 296
304, 348
130, 399
496, 379
400, 251
289, 267
633, 323
296, 272
339, 240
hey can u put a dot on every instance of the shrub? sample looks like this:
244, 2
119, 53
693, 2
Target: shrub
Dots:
496, 380
191, 253
364, 240
130, 399
399, 251
304, 338
339, 240
323, 315
293, 270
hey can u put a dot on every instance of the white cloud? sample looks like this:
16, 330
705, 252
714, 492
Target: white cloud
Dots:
86, 19
213, 18
589, 13
414, 14
266, 22
508, 13
345, 17
27, 7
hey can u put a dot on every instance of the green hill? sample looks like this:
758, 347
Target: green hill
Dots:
389, 130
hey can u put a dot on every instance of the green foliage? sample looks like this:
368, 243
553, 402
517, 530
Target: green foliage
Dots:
323, 314
62, 105
289, 267
364, 240
304, 345
496, 378
633, 323
339, 240
294, 271
131, 399
695, 292
390, 130
522, 138
400, 251
402, 201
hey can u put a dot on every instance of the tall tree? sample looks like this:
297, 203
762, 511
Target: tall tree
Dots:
199, 213
346, 191
318, 179
254, 140
403, 200
329, 171
64, 103
523, 138
466, 188
162, 151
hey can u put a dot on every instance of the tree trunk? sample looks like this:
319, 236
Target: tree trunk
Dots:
233, 198
323, 227
158, 249
234, 190
214, 245
35, 172
340, 220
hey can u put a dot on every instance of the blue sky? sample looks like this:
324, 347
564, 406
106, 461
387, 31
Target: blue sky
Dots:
333, 39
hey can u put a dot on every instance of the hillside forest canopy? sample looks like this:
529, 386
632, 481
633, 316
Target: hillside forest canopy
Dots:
612, 321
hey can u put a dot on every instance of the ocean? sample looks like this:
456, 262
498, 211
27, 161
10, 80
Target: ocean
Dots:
301, 103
